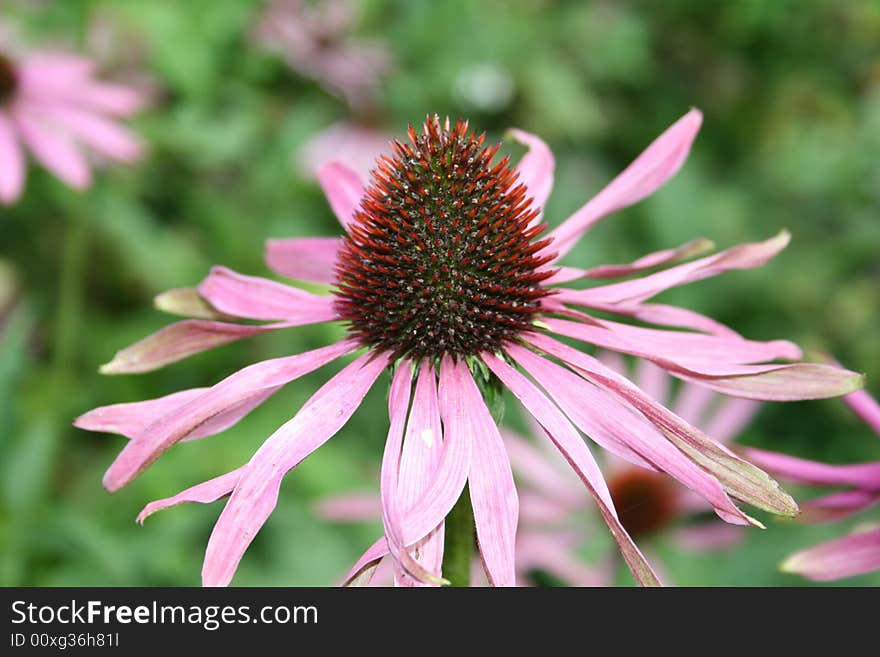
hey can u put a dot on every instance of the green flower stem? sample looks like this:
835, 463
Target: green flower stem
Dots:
458, 542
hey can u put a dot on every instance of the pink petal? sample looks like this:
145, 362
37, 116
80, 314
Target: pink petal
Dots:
305, 259
53, 150
866, 407
692, 403
843, 557
186, 302
236, 391
355, 507
133, 418
575, 450
664, 257
544, 552
653, 380
663, 315
596, 413
493, 494
343, 189
647, 173
837, 506
181, 340
103, 136
534, 468
731, 418
256, 493
744, 256
252, 297
204, 493
741, 479
12, 165
708, 537
113, 99
803, 471
535, 169
362, 571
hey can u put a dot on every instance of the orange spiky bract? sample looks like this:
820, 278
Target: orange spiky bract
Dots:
441, 257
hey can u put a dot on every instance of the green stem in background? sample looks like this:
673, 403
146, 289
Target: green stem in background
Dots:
458, 542
70, 295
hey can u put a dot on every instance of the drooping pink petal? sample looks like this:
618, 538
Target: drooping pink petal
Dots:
12, 164
535, 169
575, 450
740, 479
133, 418
304, 258
235, 391
204, 493
363, 569
843, 557
343, 189
493, 494
256, 493
866, 407
252, 297
181, 340
100, 134
744, 256
837, 506
53, 149
647, 173
596, 412
731, 418
186, 302
674, 316
804, 471
793, 382
656, 259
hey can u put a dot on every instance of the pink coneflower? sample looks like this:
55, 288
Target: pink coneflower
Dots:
554, 504
443, 278
52, 105
316, 40
851, 555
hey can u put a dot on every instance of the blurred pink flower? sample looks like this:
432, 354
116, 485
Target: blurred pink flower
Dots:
358, 146
52, 105
851, 555
441, 277
315, 40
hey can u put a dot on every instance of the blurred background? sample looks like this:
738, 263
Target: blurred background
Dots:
791, 96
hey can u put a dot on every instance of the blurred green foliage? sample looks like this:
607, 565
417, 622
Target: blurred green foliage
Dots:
791, 96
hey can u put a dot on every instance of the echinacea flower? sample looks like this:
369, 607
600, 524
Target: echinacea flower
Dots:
442, 278
859, 552
554, 505
52, 105
316, 40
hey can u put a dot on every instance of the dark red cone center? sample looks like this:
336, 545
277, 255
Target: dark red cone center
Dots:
8, 79
646, 501
442, 257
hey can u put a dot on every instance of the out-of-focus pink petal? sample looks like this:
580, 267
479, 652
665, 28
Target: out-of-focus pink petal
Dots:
493, 494
731, 418
354, 507
96, 132
653, 380
866, 407
252, 297
596, 412
656, 259
647, 173
537, 551
343, 189
53, 149
113, 99
533, 467
256, 493
535, 169
575, 450
741, 479
744, 256
358, 146
803, 471
709, 536
52, 71
843, 557
12, 164
363, 569
204, 493
692, 403
304, 258
235, 391
837, 506
181, 340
